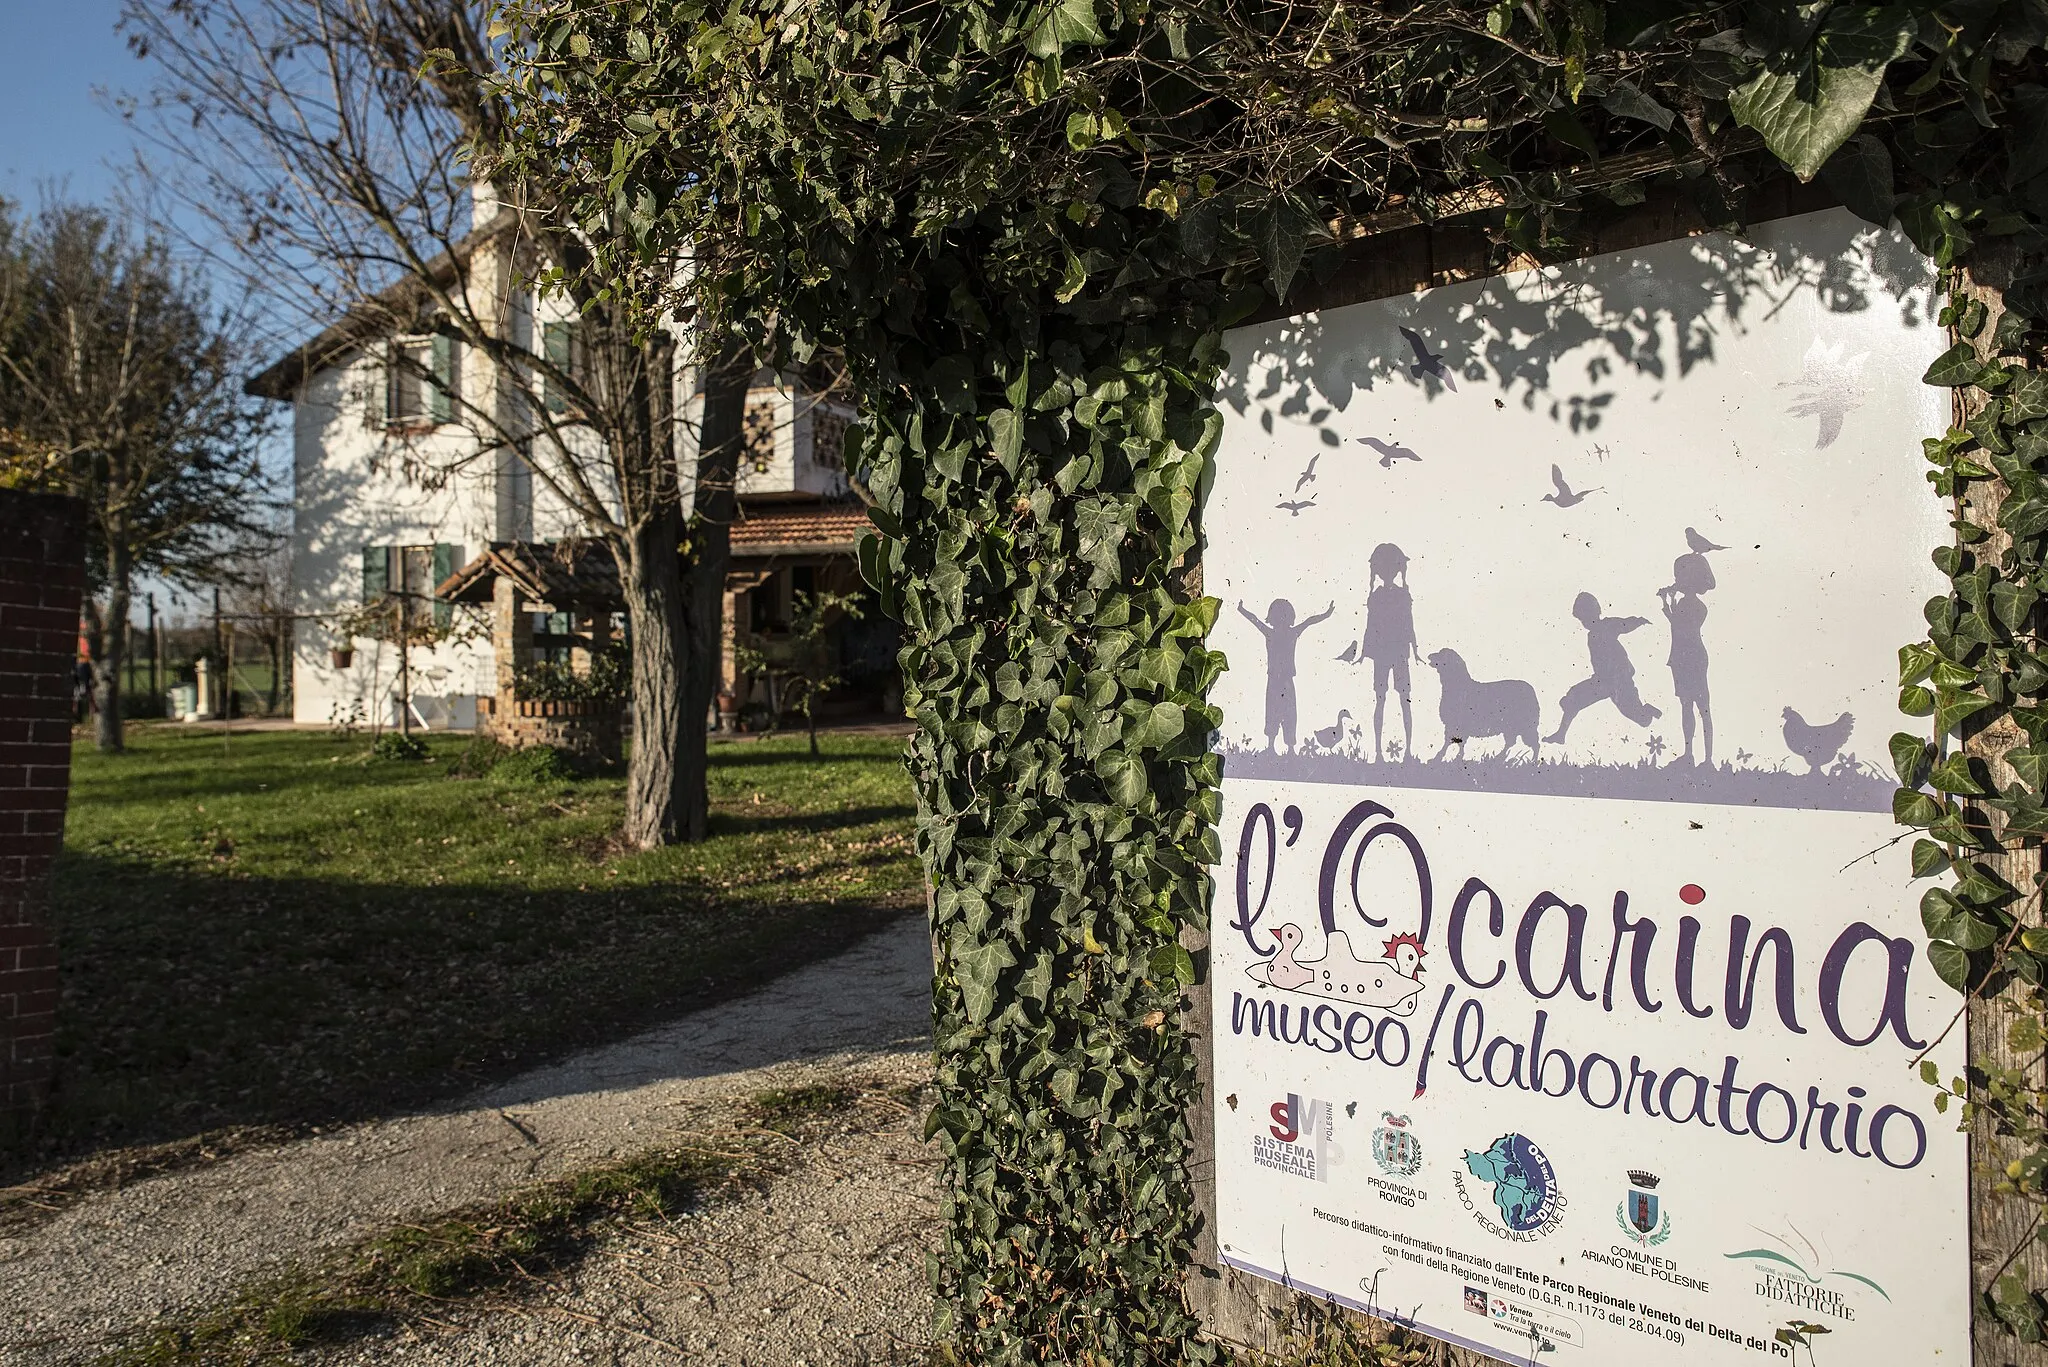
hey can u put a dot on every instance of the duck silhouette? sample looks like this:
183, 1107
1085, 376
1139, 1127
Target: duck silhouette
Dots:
1566, 496
1283, 971
1331, 736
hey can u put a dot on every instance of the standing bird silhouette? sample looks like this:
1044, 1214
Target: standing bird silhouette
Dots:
1700, 545
1308, 475
1428, 362
1566, 497
1390, 451
1817, 745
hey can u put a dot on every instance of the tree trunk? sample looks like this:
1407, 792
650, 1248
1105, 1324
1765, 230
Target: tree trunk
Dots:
650, 573
107, 652
718, 442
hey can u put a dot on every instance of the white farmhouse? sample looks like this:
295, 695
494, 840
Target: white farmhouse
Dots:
391, 493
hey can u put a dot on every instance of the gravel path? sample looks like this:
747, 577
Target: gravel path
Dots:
121, 1258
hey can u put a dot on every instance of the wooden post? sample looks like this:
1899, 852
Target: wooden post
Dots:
2002, 1226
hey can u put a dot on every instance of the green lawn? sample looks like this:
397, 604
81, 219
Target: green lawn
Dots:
277, 930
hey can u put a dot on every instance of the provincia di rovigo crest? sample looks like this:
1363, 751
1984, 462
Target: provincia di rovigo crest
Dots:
1566, 978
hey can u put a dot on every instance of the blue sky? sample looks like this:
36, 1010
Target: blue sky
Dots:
51, 126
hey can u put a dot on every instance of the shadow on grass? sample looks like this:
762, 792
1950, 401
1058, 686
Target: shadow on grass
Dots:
741, 754
194, 1002
809, 823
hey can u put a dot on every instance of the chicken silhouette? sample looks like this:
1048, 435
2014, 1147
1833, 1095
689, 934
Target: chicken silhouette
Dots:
1428, 362
1331, 736
1566, 496
1390, 451
1308, 475
1817, 745
1699, 543
1294, 506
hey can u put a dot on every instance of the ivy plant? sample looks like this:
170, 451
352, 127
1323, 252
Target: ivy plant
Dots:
1024, 225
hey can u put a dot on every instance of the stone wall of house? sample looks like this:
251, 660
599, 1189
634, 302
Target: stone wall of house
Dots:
42, 574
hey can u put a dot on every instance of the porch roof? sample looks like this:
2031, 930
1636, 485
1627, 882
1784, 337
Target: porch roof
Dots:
566, 574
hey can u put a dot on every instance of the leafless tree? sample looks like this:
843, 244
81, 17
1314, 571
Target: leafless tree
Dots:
330, 145
121, 384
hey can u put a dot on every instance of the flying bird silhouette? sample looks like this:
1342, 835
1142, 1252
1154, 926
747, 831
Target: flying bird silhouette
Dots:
1390, 451
1428, 362
1566, 497
1699, 543
1309, 474
1830, 386
1294, 507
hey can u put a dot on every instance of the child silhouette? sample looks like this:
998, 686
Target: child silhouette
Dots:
1614, 675
1691, 576
1281, 632
1390, 642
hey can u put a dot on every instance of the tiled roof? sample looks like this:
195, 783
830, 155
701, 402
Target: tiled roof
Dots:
581, 573
565, 574
802, 529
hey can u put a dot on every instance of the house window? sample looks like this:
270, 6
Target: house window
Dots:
411, 573
828, 439
554, 637
760, 436
420, 381
558, 346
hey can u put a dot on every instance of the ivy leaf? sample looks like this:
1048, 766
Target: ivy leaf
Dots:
2026, 398
1912, 757
1561, 123
1281, 234
1954, 368
1628, 102
2010, 603
979, 971
1950, 964
1952, 708
950, 380
1173, 963
1006, 437
1973, 932
1913, 808
1123, 776
1073, 280
1929, 859
1855, 46
1066, 23
1860, 174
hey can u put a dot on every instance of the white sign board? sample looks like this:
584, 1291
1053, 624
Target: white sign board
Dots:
1567, 977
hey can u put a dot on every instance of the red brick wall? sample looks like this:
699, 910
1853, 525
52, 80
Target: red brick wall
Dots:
42, 573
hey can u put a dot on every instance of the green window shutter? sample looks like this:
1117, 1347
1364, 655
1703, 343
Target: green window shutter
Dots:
441, 396
447, 560
555, 341
376, 572
377, 388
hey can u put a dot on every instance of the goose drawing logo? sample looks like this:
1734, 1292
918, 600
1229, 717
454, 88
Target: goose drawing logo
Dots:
1389, 984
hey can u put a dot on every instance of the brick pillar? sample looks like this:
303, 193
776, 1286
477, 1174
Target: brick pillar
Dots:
42, 574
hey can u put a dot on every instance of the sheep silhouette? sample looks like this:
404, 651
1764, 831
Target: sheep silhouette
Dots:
1472, 707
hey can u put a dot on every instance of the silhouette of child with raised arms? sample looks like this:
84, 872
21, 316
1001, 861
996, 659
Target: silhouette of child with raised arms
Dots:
1281, 632
1691, 576
1614, 675
1390, 642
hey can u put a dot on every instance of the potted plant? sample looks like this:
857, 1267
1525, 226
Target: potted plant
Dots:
341, 657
